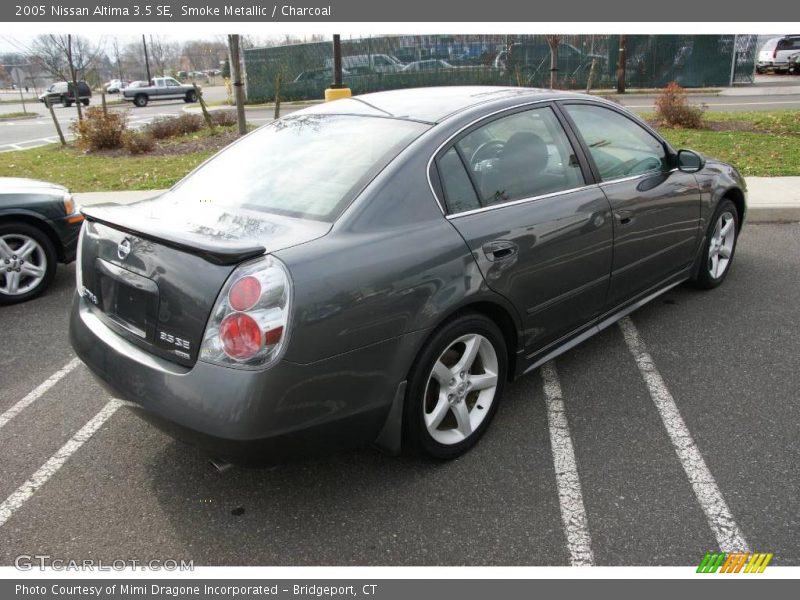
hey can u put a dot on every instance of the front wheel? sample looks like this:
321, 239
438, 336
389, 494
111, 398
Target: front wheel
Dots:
65, 103
455, 387
85, 102
191, 96
720, 245
27, 262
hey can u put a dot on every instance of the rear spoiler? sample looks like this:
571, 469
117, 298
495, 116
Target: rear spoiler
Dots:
222, 252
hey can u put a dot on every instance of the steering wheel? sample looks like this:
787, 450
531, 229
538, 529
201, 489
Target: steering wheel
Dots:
485, 151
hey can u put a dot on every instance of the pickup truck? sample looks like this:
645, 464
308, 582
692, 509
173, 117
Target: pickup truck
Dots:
160, 88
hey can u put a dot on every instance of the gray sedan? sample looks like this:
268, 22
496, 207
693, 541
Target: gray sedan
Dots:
374, 269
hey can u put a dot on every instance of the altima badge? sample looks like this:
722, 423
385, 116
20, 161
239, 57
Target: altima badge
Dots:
124, 249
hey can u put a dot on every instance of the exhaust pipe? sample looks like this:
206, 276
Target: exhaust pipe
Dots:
219, 464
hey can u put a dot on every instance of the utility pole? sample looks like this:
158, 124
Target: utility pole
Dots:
338, 89
238, 85
74, 74
621, 65
146, 60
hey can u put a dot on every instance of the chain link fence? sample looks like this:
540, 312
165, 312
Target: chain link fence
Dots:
303, 71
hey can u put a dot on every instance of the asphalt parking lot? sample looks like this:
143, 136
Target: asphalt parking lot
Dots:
629, 487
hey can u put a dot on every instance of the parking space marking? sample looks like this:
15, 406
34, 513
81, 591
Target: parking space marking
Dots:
38, 392
24, 492
570, 496
719, 516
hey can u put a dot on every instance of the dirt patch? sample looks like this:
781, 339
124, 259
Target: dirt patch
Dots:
178, 146
733, 126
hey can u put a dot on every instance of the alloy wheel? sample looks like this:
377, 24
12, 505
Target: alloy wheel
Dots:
461, 388
720, 249
23, 264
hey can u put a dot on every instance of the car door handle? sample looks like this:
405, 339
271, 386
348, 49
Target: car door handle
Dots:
500, 250
624, 216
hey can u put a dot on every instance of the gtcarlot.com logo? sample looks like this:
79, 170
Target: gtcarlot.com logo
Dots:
734, 562
28, 562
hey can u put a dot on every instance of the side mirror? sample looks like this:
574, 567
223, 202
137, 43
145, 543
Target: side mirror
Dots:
690, 161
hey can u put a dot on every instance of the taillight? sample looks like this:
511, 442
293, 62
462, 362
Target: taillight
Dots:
249, 322
79, 262
775, 52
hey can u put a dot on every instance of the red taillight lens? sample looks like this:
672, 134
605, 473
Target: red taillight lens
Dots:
245, 293
240, 335
775, 52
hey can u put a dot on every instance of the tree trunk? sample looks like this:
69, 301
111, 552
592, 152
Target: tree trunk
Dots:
553, 41
621, 65
74, 76
238, 85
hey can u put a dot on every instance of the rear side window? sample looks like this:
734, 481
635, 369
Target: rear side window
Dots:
458, 191
523, 155
619, 146
307, 166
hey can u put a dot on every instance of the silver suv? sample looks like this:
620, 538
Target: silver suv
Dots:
774, 55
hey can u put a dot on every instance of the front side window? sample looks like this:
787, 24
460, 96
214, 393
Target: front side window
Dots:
307, 165
619, 146
523, 155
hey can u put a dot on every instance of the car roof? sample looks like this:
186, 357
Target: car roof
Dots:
433, 104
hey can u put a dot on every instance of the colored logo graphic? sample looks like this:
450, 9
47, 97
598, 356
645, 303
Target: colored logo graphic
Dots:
734, 562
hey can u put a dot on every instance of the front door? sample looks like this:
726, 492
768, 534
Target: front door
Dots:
656, 208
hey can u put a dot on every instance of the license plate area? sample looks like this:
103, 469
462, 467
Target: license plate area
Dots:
127, 299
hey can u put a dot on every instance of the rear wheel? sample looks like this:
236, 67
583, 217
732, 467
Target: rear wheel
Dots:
140, 100
85, 102
455, 387
65, 102
720, 246
27, 262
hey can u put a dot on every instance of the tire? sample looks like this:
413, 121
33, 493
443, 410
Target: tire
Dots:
711, 272
65, 103
85, 102
17, 285
140, 100
191, 96
442, 415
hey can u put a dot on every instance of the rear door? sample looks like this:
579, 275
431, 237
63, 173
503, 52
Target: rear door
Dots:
516, 189
656, 207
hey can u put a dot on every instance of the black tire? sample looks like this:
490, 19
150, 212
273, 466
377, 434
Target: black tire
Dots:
416, 437
191, 96
704, 278
65, 103
85, 102
50, 257
140, 100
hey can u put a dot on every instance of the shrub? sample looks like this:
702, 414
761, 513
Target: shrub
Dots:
100, 130
166, 127
137, 142
674, 110
223, 118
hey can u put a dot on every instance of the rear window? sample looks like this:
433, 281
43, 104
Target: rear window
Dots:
308, 166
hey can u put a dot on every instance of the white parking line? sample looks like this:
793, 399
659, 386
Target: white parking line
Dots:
24, 492
38, 392
570, 496
719, 516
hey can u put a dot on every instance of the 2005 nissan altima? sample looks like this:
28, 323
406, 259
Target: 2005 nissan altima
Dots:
374, 269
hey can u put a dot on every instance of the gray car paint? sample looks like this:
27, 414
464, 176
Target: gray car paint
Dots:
372, 289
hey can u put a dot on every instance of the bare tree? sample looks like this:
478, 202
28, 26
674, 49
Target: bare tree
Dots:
65, 57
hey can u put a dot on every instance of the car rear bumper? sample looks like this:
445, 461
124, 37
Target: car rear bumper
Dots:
287, 411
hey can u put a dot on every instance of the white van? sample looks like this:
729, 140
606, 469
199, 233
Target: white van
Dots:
774, 55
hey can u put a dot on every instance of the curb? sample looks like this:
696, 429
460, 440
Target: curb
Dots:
773, 214
21, 118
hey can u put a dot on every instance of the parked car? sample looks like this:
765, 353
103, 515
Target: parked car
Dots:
793, 65
39, 225
62, 92
362, 64
435, 64
321, 75
774, 54
373, 270
160, 88
115, 86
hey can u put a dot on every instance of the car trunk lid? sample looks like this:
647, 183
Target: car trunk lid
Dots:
152, 270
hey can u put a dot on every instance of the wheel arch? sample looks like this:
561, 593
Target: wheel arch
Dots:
735, 195
40, 224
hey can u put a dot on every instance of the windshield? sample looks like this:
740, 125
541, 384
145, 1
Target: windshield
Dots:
308, 166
